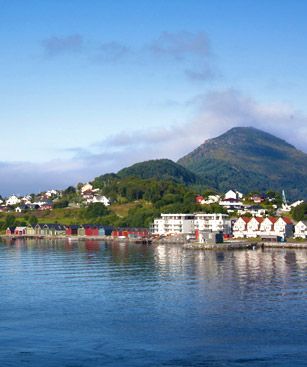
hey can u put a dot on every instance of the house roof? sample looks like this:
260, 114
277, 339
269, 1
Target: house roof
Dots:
273, 219
287, 220
20, 228
246, 219
73, 226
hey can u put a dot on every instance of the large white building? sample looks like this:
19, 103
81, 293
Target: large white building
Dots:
174, 224
188, 223
212, 222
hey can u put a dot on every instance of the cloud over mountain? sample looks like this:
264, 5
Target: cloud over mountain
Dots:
214, 113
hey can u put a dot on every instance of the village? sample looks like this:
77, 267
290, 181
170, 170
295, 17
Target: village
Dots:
241, 218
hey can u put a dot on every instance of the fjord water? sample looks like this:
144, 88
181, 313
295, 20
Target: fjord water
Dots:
96, 304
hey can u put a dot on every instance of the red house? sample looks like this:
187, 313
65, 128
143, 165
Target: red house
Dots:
10, 231
130, 232
199, 199
20, 231
72, 230
91, 230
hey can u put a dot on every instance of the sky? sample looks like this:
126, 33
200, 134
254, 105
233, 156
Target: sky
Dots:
89, 87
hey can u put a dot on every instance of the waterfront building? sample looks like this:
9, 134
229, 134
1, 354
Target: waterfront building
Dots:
212, 222
72, 230
30, 230
53, 230
174, 224
263, 227
301, 229
39, 229
130, 232
240, 227
10, 231
20, 231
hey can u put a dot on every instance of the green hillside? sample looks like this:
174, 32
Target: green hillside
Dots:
249, 159
163, 169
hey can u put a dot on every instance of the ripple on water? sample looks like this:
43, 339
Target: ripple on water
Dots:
91, 304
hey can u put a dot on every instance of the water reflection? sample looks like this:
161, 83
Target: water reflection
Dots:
91, 303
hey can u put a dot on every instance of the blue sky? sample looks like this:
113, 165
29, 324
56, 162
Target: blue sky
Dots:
92, 86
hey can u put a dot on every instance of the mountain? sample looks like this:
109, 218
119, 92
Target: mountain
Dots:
249, 159
162, 169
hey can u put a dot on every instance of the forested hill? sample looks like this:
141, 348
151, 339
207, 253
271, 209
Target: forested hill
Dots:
249, 159
162, 169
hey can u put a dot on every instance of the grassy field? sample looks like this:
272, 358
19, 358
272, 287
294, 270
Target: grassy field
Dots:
69, 216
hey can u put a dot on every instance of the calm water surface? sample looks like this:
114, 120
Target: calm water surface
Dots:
97, 304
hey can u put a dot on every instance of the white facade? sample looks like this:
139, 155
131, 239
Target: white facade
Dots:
254, 211
233, 195
259, 227
301, 229
50, 193
212, 222
211, 199
12, 200
246, 227
86, 187
174, 224
283, 228
99, 199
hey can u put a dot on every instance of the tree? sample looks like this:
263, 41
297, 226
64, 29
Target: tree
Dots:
70, 190
33, 220
60, 204
299, 212
95, 210
10, 221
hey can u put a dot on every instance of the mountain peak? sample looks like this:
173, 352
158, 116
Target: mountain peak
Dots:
249, 159
239, 134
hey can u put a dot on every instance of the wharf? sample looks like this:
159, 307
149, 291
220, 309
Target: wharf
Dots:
223, 246
229, 245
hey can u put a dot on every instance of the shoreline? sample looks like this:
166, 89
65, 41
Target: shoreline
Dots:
245, 245
229, 245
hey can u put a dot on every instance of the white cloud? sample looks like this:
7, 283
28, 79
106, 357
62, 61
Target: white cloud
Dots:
215, 113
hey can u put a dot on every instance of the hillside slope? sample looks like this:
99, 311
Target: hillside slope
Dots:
162, 169
249, 159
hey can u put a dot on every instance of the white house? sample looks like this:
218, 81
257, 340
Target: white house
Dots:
267, 226
99, 199
283, 227
212, 222
50, 193
253, 227
211, 199
13, 200
254, 210
231, 194
301, 229
232, 204
239, 229
85, 188
247, 227
174, 224
261, 227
